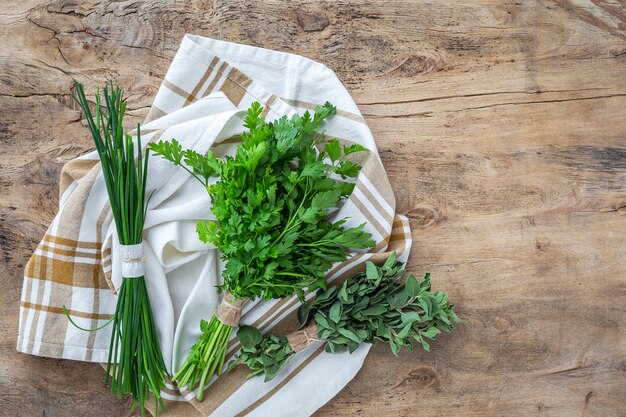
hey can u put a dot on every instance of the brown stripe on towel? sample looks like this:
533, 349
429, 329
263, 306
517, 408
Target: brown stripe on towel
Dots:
41, 288
380, 228
222, 66
236, 86
28, 288
70, 252
59, 310
375, 202
69, 242
268, 105
98, 281
175, 89
154, 113
172, 408
68, 272
284, 382
194, 93
375, 172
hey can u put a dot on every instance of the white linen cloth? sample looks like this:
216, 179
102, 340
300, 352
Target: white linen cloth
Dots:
201, 103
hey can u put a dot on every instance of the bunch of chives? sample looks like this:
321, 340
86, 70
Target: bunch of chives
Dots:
135, 364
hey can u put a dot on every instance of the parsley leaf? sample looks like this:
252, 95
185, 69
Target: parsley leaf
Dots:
333, 150
271, 201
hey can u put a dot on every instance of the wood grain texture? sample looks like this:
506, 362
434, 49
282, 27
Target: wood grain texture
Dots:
501, 125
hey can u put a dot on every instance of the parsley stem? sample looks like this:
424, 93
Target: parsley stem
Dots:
293, 274
293, 216
316, 244
211, 348
206, 180
273, 284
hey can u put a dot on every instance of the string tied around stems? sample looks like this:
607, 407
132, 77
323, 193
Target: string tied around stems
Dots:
229, 310
132, 261
303, 338
211, 346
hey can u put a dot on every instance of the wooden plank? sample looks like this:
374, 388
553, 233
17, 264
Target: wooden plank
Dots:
500, 123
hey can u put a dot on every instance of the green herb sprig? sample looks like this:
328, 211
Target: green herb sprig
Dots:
135, 364
368, 307
271, 204
262, 354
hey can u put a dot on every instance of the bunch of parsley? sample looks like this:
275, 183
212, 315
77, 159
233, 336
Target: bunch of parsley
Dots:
368, 307
271, 204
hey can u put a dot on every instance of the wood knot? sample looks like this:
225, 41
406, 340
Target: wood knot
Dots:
419, 64
425, 216
542, 244
424, 377
312, 21
503, 323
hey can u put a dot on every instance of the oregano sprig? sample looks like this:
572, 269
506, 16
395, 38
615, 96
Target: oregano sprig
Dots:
369, 307
262, 354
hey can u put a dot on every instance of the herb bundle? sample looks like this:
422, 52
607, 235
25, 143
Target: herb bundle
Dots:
368, 307
270, 202
135, 364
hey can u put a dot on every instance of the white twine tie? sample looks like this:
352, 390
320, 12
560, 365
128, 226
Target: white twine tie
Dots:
132, 260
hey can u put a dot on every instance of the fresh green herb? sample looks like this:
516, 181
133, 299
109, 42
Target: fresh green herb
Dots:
266, 355
372, 306
135, 364
368, 307
271, 205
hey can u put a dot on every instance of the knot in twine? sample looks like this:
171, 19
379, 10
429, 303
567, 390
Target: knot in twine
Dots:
132, 260
303, 338
229, 310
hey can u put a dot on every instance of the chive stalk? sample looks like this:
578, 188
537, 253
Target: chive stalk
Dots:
135, 364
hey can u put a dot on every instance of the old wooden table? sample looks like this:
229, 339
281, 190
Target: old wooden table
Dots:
502, 125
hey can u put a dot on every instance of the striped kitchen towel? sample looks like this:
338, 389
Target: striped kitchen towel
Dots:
77, 264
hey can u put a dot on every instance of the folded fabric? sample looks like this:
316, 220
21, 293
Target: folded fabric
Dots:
77, 264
